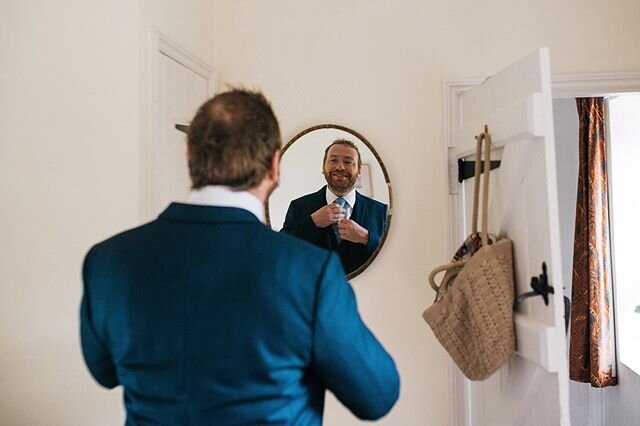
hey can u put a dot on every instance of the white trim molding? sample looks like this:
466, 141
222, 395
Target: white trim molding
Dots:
594, 84
451, 90
183, 57
160, 44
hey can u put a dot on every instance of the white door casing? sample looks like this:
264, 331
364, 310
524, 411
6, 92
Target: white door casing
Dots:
179, 83
515, 104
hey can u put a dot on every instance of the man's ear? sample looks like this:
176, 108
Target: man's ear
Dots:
274, 170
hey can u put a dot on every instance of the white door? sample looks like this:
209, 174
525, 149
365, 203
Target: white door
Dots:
516, 105
183, 84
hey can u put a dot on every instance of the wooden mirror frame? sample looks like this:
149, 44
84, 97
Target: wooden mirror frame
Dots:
371, 258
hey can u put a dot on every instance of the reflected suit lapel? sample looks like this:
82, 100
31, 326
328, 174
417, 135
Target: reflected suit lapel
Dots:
359, 210
318, 201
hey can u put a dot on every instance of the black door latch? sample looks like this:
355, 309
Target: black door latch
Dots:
540, 286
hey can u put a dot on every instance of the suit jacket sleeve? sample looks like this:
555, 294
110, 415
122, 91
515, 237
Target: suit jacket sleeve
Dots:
298, 222
348, 358
375, 231
372, 216
96, 354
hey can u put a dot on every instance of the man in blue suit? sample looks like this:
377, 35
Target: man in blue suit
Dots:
207, 317
337, 217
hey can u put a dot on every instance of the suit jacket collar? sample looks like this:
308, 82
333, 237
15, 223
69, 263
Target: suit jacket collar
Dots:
317, 199
321, 194
206, 214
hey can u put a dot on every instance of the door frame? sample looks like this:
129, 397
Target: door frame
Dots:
160, 44
562, 86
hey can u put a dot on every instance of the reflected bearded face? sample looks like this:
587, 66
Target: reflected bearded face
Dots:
341, 169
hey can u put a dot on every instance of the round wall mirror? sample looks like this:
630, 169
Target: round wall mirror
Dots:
339, 202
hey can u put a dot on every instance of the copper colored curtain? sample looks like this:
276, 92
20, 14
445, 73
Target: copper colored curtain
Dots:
592, 357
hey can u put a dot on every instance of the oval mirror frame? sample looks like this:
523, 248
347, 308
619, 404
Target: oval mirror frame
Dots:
385, 174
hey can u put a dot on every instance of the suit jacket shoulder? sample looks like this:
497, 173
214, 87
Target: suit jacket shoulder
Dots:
370, 202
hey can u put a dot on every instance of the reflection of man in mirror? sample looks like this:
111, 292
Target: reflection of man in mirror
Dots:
337, 216
206, 316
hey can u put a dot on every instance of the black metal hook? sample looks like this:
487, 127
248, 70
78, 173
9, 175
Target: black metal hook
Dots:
540, 286
182, 127
467, 169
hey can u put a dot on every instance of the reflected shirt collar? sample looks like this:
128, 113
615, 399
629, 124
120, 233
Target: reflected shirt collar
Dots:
224, 196
350, 197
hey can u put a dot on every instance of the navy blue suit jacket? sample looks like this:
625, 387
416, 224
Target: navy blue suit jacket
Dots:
367, 212
207, 317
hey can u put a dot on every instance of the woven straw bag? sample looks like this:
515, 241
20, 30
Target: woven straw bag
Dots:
472, 316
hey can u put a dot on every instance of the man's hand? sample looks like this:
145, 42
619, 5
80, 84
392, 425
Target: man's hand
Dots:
327, 215
351, 231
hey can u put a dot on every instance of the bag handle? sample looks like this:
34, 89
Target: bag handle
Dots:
443, 268
476, 184
486, 138
482, 137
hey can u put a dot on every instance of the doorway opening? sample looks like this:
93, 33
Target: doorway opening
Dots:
592, 406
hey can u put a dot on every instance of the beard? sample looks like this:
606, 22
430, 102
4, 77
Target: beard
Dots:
340, 182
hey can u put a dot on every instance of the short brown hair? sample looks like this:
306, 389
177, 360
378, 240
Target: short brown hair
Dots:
232, 140
346, 142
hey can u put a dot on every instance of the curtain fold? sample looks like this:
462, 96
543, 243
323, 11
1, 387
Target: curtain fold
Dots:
592, 357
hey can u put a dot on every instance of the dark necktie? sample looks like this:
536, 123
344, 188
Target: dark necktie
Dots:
341, 202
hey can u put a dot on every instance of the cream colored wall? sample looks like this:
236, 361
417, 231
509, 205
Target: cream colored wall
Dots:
72, 97
68, 167
377, 67
73, 108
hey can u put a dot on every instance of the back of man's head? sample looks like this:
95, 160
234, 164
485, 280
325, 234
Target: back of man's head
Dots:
232, 140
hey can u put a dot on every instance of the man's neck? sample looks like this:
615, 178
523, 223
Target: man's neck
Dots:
263, 190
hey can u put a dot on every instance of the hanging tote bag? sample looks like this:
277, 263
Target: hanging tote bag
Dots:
472, 316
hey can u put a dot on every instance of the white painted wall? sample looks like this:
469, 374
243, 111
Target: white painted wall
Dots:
566, 126
72, 96
73, 111
68, 167
620, 402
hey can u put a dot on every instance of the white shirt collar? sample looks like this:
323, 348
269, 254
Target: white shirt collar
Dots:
350, 197
224, 196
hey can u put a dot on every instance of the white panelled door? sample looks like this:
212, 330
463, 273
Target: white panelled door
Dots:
516, 105
183, 84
